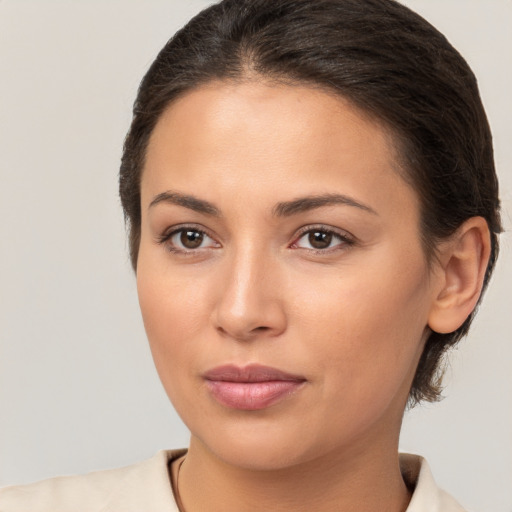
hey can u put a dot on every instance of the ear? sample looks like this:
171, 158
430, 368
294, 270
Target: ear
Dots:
463, 261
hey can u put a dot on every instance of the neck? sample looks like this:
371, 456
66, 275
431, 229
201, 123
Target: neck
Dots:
356, 479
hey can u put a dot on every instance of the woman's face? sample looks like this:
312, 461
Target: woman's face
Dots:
281, 276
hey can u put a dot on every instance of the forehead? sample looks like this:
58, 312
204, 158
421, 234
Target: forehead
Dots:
268, 108
264, 137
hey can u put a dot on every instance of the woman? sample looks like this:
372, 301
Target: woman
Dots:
313, 216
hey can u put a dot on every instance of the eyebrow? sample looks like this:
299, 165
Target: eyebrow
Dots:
187, 201
282, 209
303, 204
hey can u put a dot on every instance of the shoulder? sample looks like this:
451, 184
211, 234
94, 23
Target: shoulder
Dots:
426, 496
142, 486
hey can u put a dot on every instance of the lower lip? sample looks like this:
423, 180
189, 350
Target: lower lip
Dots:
251, 396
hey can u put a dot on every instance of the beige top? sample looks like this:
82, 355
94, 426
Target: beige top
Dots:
146, 487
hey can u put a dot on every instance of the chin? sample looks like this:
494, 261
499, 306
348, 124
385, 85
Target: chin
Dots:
259, 453
253, 443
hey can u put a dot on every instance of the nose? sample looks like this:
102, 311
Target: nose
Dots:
250, 302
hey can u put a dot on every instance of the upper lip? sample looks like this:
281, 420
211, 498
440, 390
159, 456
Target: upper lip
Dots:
249, 373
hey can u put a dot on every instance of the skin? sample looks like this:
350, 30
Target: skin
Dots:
351, 319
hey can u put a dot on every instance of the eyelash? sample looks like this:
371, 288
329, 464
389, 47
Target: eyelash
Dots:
344, 238
166, 238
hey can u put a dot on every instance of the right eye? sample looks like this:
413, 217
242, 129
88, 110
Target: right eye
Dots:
188, 239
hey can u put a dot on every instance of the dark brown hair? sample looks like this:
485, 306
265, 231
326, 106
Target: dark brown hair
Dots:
386, 60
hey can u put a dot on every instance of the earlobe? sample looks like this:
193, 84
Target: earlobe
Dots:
464, 260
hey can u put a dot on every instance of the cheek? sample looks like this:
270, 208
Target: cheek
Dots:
369, 323
171, 319
173, 311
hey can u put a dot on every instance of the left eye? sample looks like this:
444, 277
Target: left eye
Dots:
320, 239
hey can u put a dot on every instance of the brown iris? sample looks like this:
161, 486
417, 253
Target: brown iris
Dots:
320, 239
191, 239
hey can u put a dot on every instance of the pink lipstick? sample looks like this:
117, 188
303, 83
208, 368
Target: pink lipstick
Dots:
251, 387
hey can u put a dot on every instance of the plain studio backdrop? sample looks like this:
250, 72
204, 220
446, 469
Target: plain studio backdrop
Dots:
78, 391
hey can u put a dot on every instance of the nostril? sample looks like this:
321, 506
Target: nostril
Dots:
248, 334
248, 316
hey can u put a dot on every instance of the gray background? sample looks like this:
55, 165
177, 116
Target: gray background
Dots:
78, 391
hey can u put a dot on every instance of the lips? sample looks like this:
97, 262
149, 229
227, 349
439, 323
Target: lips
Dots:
251, 387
